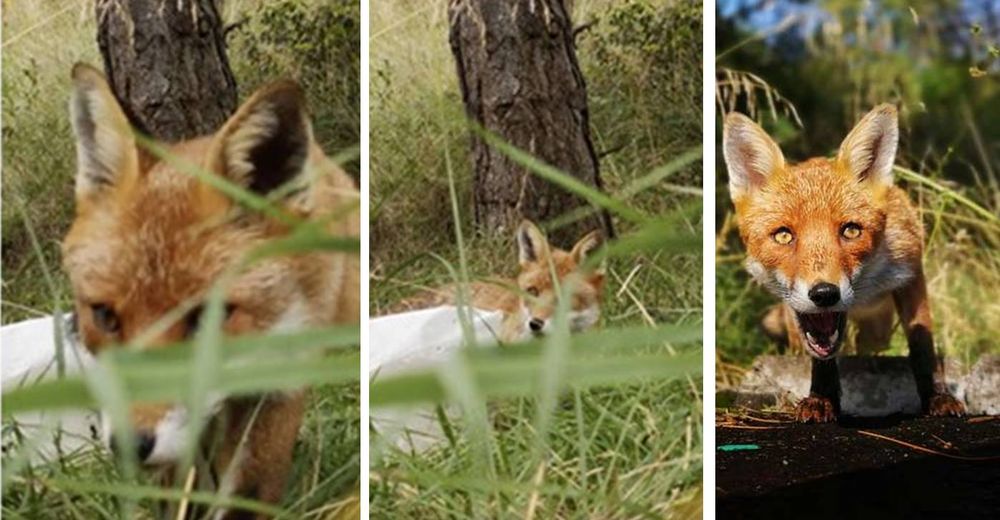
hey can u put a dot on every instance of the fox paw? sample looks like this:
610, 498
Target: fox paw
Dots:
815, 409
945, 405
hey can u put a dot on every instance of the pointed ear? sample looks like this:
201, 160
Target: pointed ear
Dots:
106, 151
266, 143
532, 245
585, 246
751, 155
869, 151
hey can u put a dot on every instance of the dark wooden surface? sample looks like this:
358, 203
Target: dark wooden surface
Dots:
835, 471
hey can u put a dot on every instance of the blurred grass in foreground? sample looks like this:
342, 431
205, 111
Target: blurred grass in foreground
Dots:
605, 424
39, 163
518, 419
540, 420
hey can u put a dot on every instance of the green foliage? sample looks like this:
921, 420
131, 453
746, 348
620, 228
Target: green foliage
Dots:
660, 43
627, 450
316, 43
642, 62
38, 155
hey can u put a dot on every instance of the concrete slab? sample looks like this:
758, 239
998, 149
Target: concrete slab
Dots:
982, 386
871, 386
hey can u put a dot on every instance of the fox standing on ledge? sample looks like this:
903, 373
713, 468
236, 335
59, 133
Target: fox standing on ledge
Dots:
835, 239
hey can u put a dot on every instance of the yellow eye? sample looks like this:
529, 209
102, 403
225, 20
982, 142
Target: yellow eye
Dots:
850, 231
783, 236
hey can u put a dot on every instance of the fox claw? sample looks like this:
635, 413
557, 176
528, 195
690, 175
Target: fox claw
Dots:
815, 409
945, 405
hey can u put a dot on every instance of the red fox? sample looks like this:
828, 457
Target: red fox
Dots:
148, 238
528, 303
835, 239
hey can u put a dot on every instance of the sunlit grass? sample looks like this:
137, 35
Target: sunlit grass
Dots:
598, 425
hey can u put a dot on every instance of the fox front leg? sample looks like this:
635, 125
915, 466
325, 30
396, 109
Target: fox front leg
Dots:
258, 449
823, 403
928, 371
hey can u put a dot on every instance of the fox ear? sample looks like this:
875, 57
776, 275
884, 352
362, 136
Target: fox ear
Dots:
585, 246
751, 155
532, 245
105, 146
265, 144
869, 151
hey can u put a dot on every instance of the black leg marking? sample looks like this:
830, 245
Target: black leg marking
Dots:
826, 381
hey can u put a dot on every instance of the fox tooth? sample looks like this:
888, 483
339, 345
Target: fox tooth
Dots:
810, 337
833, 339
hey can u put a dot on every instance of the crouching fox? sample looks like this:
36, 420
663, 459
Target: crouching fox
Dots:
149, 238
528, 303
836, 240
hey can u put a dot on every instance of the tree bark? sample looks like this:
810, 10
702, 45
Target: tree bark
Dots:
166, 62
520, 79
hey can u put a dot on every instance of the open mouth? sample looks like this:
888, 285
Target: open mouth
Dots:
823, 331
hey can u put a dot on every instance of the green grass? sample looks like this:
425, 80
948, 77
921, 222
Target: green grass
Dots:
601, 425
626, 450
39, 164
325, 470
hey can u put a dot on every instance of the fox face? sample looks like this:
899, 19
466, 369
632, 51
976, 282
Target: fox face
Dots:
149, 239
540, 290
817, 234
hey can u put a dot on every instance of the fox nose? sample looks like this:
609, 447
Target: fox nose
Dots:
536, 325
824, 294
144, 442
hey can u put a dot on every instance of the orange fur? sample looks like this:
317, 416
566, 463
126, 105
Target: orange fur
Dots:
149, 240
835, 240
532, 295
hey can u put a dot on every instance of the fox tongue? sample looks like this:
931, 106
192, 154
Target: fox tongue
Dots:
822, 324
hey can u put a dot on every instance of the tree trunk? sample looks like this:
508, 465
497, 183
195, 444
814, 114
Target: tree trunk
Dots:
166, 62
520, 80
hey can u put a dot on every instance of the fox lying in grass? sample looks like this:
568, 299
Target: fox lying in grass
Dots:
835, 239
528, 303
149, 238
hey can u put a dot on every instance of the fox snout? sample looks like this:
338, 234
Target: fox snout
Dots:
579, 320
536, 325
145, 441
824, 294
159, 430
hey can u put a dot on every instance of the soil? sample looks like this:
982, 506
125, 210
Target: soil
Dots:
836, 471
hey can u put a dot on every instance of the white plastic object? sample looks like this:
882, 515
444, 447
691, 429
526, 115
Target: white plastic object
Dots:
27, 356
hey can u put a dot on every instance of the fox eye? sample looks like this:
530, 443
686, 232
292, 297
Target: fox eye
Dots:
532, 291
192, 321
105, 318
850, 231
783, 236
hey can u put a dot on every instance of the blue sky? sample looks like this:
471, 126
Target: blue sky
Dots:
809, 15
